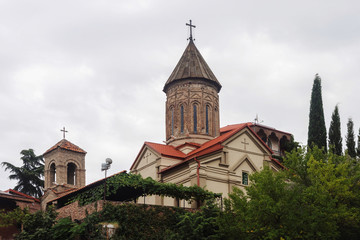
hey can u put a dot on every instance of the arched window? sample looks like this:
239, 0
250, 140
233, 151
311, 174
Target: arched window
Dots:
182, 118
71, 174
195, 118
269, 143
207, 119
172, 121
52, 173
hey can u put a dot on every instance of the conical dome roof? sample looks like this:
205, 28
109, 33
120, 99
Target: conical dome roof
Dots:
192, 66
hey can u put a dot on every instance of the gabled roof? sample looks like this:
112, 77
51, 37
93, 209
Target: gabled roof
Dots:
204, 149
192, 66
209, 147
163, 150
67, 145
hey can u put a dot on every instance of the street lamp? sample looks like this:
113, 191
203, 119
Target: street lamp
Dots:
104, 167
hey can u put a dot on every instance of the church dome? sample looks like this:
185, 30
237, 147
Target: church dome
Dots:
192, 66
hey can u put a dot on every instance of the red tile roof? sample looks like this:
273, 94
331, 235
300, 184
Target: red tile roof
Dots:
12, 191
204, 149
166, 150
220, 139
234, 126
65, 144
216, 143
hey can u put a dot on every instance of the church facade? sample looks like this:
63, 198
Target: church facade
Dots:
197, 150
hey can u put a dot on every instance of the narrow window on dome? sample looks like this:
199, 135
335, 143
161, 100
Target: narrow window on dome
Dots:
172, 121
182, 118
195, 119
207, 119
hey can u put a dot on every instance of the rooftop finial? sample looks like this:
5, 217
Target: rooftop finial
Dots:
64, 131
190, 26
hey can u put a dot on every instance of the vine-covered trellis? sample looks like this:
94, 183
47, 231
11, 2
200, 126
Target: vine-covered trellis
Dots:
128, 187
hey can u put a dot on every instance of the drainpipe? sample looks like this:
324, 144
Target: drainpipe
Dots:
198, 171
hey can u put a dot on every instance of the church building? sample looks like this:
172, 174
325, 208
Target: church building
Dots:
197, 150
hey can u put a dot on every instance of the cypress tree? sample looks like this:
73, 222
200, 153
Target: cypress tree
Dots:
358, 146
335, 139
350, 139
317, 128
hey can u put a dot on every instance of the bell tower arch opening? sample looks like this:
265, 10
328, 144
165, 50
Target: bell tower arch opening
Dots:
52, 173
71, 173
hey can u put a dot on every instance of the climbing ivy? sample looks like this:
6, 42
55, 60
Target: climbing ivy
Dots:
134, 186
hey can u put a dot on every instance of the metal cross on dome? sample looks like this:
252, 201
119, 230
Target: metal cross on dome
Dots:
64, 131
190, 26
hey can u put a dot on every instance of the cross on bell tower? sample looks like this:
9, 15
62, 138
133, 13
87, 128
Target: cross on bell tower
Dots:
64, 131
190, 26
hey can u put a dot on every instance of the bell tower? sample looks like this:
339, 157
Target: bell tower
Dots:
192, 100
64, 165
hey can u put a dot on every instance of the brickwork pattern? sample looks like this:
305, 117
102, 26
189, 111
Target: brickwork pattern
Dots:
187, 94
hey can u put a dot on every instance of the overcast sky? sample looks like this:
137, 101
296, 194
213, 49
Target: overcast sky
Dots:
98, 68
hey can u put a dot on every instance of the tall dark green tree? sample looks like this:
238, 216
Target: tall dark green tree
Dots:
335, 139
358, 145
317, 128
350, 139
29, 175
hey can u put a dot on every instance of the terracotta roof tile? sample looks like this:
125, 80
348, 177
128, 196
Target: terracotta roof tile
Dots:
166, 150
12, 191
208, 147
230, 131
67, 145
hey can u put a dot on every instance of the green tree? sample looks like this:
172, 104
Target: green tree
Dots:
199, 224
317, 128
274, 208
317, 197
38, 225
335, 139
332, 191
350, 139
29, 175
358, 145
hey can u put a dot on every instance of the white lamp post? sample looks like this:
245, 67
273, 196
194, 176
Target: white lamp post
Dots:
104, 167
